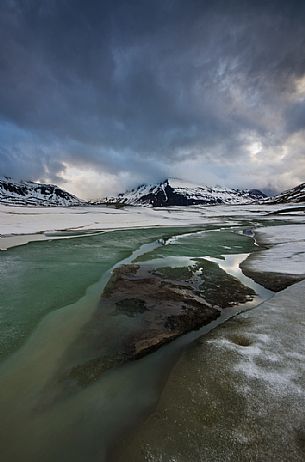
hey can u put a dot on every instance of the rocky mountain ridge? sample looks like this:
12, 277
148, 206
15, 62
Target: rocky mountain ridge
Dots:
294, 195
14, 192
175, 192
170, 192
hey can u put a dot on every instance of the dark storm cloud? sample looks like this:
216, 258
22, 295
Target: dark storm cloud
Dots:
125, 85
295, 117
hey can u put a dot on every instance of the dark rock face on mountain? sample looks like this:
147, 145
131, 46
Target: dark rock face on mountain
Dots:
174, 192
296, 195
29, 193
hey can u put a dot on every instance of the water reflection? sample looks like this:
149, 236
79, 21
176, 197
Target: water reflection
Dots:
231, 265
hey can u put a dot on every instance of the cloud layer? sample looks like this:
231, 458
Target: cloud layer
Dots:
102, 95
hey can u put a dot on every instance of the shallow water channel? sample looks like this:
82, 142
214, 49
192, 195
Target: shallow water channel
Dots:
49, 291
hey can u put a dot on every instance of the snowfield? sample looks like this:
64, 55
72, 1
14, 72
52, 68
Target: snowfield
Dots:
29, 220
287, 252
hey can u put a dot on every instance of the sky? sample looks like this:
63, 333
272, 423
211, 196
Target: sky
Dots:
99, 96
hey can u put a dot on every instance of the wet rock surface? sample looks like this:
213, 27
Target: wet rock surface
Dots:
152, 306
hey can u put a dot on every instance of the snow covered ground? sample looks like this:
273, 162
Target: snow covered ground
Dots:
286, 254
26, 220
29, 220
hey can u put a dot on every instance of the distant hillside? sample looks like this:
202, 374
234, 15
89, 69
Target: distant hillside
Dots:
173, 192
295, 195
29, 193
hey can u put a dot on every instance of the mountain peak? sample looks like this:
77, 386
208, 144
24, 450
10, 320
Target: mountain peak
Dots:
175, 191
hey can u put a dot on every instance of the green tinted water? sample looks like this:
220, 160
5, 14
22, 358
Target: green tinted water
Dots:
43, 276
49, 291
212, 243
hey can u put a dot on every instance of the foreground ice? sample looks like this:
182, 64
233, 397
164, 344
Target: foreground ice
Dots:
237, 394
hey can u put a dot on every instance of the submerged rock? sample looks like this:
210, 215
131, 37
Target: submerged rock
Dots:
150, 307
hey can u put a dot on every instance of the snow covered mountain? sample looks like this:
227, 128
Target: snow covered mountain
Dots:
296, 195
178, 192
29, 193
